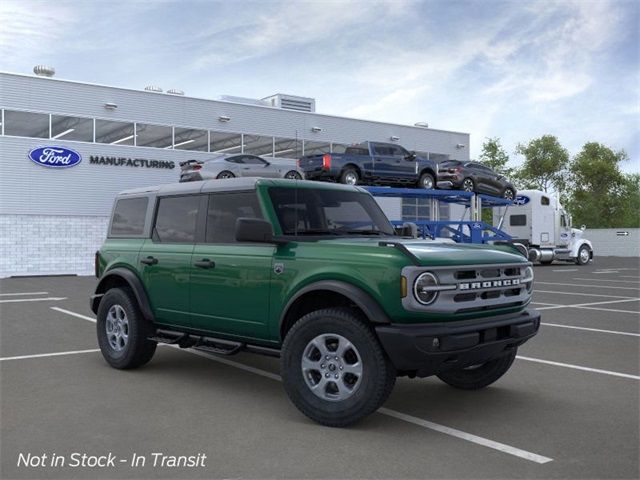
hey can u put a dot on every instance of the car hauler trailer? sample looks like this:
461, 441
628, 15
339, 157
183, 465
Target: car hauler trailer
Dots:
538, 221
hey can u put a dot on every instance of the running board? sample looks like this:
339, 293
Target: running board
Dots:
218, 346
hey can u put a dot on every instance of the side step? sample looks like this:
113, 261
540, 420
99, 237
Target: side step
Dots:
218, 346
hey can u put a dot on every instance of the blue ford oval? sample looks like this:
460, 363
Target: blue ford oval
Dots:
55, 157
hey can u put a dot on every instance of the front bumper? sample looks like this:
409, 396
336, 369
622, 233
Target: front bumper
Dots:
428, 349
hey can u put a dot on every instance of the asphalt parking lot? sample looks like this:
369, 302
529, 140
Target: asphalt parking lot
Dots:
568, 408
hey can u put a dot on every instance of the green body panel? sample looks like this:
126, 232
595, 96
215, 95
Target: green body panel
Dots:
233, 297
167, 282
245, 295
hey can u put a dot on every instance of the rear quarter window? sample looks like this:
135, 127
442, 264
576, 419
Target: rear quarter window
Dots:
128, 216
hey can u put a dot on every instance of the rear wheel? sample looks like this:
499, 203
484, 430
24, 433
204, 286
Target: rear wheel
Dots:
481, 375
122, 330
508, 193
468, 185
225, 174
334, 369
349, 177
584, 255
426, 181
293, 175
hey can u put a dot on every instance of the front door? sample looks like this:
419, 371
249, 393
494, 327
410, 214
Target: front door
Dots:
253, 166
166, 259
230, 281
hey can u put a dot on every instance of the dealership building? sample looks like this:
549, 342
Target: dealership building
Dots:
53, 219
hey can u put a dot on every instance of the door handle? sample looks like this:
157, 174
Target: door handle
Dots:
149, 260
205, 263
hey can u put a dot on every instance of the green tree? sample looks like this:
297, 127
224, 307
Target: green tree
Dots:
495, 157
600, 195
545, 164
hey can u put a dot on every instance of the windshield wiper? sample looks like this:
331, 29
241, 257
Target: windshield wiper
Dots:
315, 231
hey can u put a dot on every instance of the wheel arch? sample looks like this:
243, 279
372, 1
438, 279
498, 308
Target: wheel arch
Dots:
122, 277
354, 167
430, 171
329, 293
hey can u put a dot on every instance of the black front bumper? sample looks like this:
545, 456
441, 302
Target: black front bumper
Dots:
428, 349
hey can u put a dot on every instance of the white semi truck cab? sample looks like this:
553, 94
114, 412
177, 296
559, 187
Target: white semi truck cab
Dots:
539, 222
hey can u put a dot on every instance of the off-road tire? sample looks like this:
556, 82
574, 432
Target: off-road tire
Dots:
348, 173
424, 178
225, 174
474, 378
138, 349
378, 375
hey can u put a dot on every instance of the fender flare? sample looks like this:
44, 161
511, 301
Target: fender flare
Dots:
369, 306
134, 283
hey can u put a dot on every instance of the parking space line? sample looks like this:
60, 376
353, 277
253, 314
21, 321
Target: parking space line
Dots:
398, 415
566, 270
585, 305
590, 286
629, 276
550, 304
604, 280
73, 314
579, 367
54, 354
590, 329
16, 300
581, 294
610, 310
23, 293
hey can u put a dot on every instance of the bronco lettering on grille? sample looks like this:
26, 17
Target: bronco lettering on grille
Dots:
488, 284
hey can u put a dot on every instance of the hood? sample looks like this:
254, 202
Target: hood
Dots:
443, 253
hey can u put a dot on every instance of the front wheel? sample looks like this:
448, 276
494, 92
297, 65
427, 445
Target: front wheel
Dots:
481, 375
334, 369
584, 255
508, 194
123, 331
427, 181
468, 185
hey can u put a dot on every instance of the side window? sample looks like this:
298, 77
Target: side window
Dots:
235, 160
517, 220
128, 216
382, 149
176, 219
253, 160
224, 210
544, 201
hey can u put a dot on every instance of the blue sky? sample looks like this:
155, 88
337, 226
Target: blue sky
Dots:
511, 69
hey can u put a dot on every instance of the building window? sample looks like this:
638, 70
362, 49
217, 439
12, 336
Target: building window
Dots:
157, 136
128, 216
316, 148
190, 139
287, 148
115, 133
225, 143
258, 145
176, 219
438, 157
71, 128
26, 124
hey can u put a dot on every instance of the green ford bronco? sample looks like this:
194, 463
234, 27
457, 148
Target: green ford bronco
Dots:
313, 273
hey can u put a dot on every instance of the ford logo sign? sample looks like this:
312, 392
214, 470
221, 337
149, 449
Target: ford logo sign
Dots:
521, 200
55, 157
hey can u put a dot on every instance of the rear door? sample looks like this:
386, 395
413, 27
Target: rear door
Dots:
165, 259
383, 160
230, 281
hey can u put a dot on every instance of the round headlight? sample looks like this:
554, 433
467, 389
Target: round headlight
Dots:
424, 288
528, 278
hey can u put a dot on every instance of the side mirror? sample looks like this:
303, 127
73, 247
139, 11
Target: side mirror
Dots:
583, 228
408, 229
411, 156
253, 230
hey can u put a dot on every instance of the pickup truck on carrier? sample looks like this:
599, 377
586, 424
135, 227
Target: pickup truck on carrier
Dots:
372, 163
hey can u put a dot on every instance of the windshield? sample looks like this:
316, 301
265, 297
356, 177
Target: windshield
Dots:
303, 211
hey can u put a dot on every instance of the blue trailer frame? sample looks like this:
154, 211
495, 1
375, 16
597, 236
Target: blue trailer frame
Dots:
460, 231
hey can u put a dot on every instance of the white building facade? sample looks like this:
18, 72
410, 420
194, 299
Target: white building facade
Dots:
52, 220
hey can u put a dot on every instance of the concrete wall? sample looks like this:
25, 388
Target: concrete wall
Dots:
607, 242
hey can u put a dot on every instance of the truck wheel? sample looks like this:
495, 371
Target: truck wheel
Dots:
123, 331
479, 376
349, 177
508, 194
584, 255
426, 181
334, 369
225, 174
468, 185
